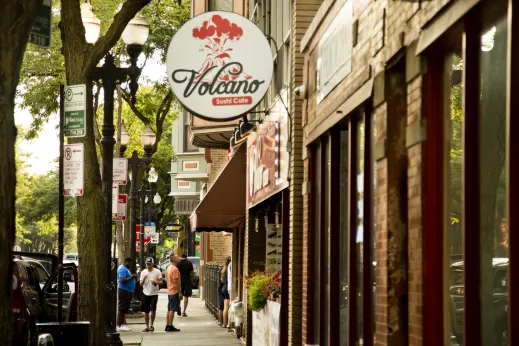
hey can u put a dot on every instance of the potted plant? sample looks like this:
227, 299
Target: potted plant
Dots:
255, 284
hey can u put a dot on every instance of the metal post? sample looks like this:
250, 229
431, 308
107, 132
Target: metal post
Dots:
141, 221
134, 164
109, 74
60, 202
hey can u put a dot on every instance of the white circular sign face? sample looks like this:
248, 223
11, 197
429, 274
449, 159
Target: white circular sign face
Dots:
219, 65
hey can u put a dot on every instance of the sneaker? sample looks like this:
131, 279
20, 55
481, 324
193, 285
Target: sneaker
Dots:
184, 315
167, 329
219, 325
179, 313
123, 328
173, 329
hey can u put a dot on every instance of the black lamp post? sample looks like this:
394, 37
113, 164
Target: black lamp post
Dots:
134, 36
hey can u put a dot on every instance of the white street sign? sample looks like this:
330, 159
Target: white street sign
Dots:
75, 111
154, 238
115, 193
150, 230
119, 214
73, 167
120, 171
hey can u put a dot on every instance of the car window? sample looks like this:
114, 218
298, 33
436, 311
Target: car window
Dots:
501, 281
196, 264
32, 280
41, 275
164, 266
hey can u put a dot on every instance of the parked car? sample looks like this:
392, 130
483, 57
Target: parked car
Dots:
500, 298
163, 266
71, 258
33, 302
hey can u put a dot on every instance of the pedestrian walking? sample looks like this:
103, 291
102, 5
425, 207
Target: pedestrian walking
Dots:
186, 275
151, 278
224, 298
125, 288
173, 280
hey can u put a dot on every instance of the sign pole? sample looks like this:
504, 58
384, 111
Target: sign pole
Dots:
61, 204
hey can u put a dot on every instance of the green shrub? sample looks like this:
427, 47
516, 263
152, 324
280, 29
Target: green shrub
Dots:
256, 292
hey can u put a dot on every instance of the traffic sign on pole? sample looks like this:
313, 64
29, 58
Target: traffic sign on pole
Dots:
120, 171
119, 214
73, 167
75, 111
40, 31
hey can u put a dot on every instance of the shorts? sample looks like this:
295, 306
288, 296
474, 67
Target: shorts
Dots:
149, 303
124, 301
174, 302
187, 289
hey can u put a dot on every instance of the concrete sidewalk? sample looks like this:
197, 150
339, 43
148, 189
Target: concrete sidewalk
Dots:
199, 328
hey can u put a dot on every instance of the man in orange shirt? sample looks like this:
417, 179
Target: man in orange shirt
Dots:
174, 293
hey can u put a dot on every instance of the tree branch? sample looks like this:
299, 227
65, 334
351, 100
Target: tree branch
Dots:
112, 35
134, 109
97, 133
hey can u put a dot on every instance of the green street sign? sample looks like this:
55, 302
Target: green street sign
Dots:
75, 111
40, 32
169, 243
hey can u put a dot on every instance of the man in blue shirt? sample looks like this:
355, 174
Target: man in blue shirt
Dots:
125, 287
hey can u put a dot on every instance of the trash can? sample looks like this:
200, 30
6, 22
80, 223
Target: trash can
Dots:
239, 314
66, 333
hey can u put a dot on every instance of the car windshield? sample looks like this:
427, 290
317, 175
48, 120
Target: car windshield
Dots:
196, 264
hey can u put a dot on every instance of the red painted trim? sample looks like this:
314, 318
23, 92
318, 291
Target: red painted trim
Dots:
471, 228
513, 169
433, 204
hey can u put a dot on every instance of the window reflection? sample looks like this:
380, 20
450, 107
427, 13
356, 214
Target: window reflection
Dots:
453, 222
493, 224
360, 224
343, 266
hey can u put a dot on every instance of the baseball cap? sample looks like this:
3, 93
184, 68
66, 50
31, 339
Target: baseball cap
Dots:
149, 260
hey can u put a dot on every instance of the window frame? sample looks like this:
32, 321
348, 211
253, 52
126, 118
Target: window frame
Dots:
470, 30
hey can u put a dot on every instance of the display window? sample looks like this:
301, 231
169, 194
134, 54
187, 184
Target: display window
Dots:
342, 264
467, 262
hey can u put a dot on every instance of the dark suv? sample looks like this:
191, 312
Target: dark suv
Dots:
35, 301
500, 299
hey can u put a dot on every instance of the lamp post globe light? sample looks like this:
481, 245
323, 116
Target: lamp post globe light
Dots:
110, 75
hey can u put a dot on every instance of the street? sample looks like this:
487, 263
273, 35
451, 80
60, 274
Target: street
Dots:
199, 328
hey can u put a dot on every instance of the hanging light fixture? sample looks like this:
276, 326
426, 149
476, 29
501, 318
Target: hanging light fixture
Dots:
245, 126
91, 23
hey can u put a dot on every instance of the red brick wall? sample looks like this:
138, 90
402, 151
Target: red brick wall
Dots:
415, 197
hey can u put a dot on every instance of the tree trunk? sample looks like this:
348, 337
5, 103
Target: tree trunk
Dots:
16, 18
80, 60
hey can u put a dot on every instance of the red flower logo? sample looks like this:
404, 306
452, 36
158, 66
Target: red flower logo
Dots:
218, 32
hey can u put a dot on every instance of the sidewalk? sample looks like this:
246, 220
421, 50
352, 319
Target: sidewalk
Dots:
199, 328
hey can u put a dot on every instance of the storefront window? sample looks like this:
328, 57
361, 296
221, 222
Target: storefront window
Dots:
220, 5
344, 253
494, 250
453, 221
359, 238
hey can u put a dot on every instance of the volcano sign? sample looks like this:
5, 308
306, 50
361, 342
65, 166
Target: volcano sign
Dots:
219, 65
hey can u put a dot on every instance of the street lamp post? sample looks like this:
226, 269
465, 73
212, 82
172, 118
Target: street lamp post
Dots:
134, 36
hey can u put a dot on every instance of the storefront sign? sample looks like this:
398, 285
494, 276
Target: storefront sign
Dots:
335, 47
265, 325
267, 157
219, 65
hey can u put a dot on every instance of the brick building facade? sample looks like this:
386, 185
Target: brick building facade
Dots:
383, 229
380, 243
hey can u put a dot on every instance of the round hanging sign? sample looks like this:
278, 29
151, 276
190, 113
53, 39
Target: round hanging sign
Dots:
219, 65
